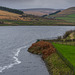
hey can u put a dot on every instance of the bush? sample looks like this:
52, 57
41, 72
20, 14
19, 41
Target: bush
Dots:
42, 47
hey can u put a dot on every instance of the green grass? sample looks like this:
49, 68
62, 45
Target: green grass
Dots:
72, 15
67, 51
57, 66
68, 18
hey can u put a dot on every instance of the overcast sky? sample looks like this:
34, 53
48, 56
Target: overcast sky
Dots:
24, 4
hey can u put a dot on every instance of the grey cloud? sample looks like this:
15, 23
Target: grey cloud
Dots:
38, 3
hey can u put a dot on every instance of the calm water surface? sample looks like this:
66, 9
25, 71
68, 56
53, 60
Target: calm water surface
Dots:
14, 42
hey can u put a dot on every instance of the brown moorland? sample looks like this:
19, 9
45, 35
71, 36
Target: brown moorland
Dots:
12, 16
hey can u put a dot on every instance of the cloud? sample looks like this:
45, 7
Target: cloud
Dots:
38, 3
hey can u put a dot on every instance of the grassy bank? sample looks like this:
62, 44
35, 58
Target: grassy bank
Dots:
55, 65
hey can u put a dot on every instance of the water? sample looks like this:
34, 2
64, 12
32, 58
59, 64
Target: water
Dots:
14, 42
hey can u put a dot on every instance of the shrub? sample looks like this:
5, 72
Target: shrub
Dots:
42, 47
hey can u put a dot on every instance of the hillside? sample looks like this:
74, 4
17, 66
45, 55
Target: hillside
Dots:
11, 10
67, 15
39, 11
68, 11
10, 18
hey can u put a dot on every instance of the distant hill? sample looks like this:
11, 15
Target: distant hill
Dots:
68, 11
39, 11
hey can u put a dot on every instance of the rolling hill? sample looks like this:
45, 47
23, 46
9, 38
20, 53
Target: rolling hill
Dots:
67, 15
39, 11
68, 11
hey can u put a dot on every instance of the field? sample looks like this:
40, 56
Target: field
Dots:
67, 51
68, 18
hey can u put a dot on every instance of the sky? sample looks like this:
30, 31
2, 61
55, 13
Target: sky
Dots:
26, 4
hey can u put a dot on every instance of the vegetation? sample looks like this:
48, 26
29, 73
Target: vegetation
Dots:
41, 47
68, 53
66, 35
67, 15
16, 19
11, 10
68, 18
55, 64
55, 12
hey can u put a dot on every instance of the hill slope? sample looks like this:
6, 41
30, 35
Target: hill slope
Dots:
10, 16
66, 15
11, 10
67, 11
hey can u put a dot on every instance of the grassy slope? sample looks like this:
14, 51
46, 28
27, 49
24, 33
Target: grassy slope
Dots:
67, 51
68, 11
5, 15
57, 66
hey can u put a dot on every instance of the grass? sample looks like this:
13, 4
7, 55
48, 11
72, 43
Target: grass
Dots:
67, 51
40, 22
57, 66
68, 18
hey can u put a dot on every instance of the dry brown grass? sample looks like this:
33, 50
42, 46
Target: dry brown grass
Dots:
11, 16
